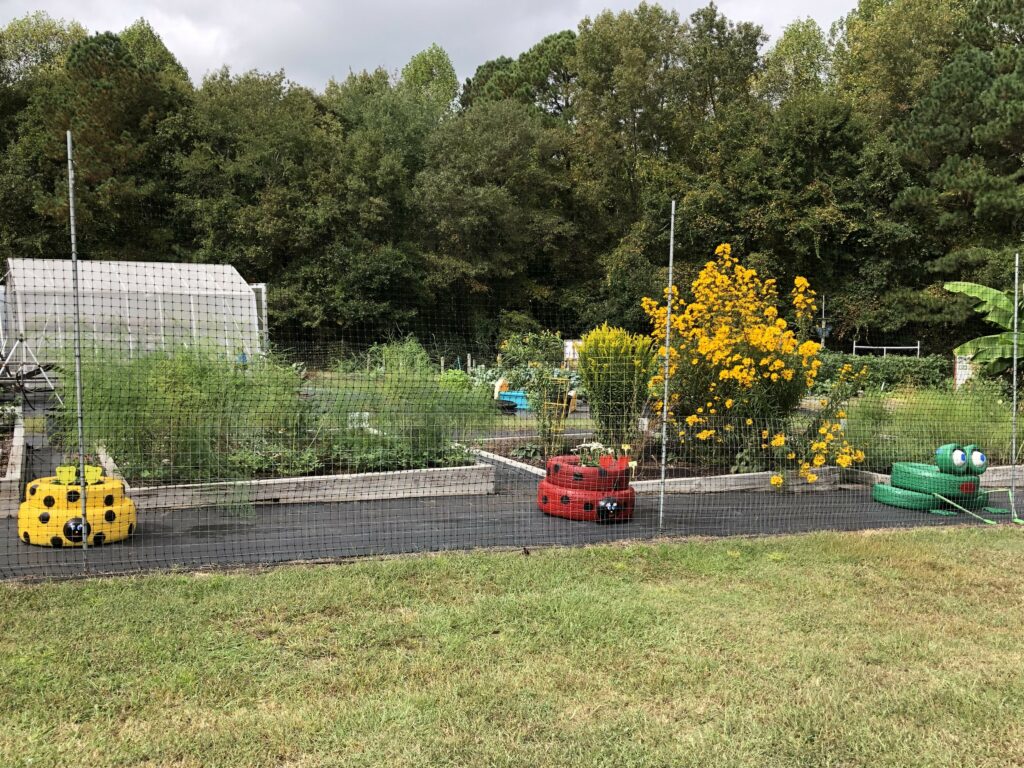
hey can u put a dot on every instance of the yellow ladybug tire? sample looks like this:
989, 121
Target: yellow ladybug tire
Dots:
51, 515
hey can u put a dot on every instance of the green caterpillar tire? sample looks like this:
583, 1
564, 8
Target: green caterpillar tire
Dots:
927, 478
901, 497
977, 501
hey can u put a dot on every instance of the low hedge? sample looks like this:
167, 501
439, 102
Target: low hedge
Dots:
887, 372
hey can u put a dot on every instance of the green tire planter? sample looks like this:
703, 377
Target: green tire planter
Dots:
951, 484
928, 478
902, 498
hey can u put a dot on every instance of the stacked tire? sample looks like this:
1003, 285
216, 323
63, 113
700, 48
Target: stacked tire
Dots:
600, 494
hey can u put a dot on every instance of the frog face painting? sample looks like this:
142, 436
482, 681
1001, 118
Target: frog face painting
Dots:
951, 484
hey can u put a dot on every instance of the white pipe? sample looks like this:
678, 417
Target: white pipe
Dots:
78, 351
1013, 416
668, 357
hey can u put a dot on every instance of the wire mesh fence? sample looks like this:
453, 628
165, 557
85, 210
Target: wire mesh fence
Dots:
156, 417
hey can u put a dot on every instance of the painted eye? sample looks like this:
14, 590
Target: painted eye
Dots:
959, 458
977, 458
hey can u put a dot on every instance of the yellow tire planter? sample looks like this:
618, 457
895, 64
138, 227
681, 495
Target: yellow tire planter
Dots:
51, 515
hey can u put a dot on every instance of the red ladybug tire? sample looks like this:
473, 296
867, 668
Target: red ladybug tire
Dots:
580, 504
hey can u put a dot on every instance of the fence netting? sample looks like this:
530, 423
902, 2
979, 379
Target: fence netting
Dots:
220, 427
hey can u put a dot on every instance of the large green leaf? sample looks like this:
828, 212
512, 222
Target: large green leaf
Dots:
996, 306
990, 354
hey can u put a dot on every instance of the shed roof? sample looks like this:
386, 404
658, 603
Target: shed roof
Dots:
54, 275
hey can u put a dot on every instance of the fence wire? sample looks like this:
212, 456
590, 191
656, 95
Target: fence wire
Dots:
214, 434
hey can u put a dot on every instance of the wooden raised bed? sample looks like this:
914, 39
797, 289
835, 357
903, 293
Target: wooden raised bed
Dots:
476, 479
11, 482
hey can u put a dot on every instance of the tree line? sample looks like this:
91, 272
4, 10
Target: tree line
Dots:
879, 158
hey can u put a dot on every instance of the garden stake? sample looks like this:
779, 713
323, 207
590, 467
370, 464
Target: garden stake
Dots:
964, 509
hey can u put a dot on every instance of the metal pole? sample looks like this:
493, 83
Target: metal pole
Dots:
823, 321
78, 350
668, 347
1013, 416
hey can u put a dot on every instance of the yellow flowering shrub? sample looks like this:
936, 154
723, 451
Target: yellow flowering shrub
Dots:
736, 365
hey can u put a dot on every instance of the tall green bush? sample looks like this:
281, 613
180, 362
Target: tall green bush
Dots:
616, 368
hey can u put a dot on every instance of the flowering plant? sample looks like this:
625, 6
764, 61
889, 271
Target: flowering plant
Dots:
735, 364
591, 453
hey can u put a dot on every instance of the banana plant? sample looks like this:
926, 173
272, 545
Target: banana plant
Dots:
994, 353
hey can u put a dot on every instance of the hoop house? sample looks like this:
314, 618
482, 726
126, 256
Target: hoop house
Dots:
127, 306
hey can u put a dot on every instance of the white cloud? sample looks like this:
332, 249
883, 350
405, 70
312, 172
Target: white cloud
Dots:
318, 39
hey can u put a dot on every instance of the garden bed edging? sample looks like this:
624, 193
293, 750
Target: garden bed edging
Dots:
11, 483
472, 480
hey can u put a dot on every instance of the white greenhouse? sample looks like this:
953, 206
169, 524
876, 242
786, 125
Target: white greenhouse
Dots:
130, 306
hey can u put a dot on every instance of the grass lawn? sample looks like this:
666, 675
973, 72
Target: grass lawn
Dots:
889, 649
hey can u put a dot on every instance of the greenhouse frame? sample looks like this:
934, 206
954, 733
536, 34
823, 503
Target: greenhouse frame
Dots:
129, 306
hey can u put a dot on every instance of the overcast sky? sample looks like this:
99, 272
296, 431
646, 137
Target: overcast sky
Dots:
314, 40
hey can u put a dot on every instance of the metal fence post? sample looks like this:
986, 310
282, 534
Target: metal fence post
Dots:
668, 357
78, 352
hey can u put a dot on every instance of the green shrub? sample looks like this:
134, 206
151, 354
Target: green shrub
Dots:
887, 372
456, 380
616, 368
909, 424
186, 415
402, 419
522, 356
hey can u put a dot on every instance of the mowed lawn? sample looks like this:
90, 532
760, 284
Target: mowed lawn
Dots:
884, 649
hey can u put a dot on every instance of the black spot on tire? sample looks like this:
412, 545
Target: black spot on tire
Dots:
49, 501
577, 476
588, 506
557, 468
57, 542
26, 538
565, 500
73, 496
109, 516
32, 490
543, 499
602, 472
98, 539
108, 500
44, 517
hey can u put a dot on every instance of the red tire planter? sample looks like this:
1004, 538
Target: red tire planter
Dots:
612, 474
596, 494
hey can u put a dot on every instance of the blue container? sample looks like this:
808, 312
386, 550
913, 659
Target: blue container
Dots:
516, 396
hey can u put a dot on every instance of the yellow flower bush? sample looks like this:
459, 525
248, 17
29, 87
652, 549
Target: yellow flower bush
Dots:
737, 365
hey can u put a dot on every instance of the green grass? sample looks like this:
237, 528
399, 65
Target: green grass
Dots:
895, 649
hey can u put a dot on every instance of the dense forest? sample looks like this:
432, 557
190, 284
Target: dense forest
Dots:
879, 158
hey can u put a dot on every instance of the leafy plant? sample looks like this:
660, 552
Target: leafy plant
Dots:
908, 424
188, 414
522, 356
548, 394
886, 372
528, 452
616, 368
993, 353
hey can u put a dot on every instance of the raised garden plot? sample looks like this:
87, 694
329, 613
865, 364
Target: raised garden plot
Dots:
12, 459
476, 479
